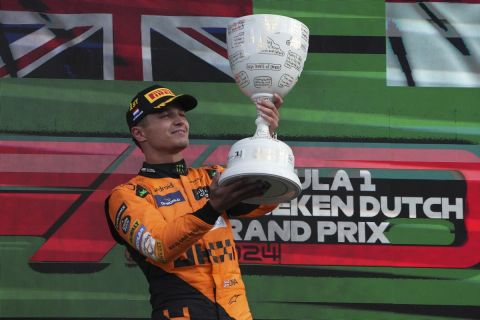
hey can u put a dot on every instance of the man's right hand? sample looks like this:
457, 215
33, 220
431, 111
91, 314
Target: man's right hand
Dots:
226, 196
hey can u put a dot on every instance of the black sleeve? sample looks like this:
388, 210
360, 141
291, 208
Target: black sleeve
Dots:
207, 213
241, 209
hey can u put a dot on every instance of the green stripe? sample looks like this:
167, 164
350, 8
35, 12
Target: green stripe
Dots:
326, 17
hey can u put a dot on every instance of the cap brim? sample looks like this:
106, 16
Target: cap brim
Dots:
187, 102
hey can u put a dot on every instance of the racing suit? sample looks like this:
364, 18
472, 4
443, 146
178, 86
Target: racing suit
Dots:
183, 246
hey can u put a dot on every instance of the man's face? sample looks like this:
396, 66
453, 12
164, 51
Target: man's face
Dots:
166, 131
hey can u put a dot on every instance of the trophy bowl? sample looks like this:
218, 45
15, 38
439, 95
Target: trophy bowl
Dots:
266, 53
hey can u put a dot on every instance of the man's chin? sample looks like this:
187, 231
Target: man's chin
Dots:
181, 146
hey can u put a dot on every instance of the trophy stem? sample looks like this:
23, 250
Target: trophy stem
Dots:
263, 128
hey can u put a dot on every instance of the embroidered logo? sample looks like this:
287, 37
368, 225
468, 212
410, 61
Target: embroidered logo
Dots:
200, 193
181, 169
119, 214
141, 191
169, 199
125, 224
233, 298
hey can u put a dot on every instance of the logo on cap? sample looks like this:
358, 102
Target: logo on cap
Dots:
137, 113
158, 93
133, 104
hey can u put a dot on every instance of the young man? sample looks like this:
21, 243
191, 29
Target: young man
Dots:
174, 220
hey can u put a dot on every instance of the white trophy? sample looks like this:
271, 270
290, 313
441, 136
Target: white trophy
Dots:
266, 54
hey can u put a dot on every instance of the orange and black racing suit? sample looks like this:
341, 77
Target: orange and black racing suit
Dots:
183, 246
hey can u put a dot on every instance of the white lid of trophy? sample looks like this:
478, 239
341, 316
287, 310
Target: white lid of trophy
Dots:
266, 53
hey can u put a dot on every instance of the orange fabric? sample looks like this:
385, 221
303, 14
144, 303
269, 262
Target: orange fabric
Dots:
155, 216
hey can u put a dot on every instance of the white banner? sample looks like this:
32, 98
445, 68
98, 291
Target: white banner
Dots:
433, 44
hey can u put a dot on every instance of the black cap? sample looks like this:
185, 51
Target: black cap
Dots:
155, 99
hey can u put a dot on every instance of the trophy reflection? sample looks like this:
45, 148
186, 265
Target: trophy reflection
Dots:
266, 54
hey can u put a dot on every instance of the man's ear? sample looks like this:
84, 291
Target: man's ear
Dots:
138, 134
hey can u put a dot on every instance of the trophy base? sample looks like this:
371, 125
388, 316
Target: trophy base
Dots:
265, 159
282, 189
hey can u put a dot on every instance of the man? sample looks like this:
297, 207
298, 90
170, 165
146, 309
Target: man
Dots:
174, 220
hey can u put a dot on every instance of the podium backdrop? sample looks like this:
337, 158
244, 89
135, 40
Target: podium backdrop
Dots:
384, 123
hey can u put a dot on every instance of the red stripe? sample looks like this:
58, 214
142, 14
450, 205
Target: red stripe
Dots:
61, 147
46, 48
319, 156
446, 1
3, 71
128, 46
218, 8
31, 214
55, 163
44, 179
83, 237
205, 41
43, 50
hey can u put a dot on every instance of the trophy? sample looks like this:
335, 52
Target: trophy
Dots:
266, 54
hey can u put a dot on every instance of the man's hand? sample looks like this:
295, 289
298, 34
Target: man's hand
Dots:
269, 111
227, 196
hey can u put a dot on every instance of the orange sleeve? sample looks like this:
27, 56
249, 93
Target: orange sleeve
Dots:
144, 227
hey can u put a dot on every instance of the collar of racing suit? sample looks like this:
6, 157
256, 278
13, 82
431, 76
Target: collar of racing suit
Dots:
162, 170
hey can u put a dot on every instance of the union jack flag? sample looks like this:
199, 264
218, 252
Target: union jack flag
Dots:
171, 40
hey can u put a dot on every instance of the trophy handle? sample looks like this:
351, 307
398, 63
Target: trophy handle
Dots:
263, 128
